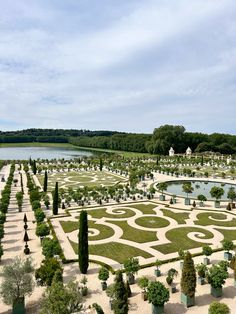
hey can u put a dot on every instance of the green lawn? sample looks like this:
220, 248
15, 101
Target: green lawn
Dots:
179, 217
101, 212
228, 234
204, 219
146, 209
179, 240
114, 250
104, 231
133, 234
152, 222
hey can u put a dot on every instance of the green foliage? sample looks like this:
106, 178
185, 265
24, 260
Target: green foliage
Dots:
157, 293
103, 274
129, 293
216, 192
187, 188
39, 215
207, 250
218, 308
47, 270
131, 265
19, 198
188, 279
202, 198
42, 230
45, 182
1, 251
17, 280
120, 297
143, 283
201, 270
36, 204
162, 186
228, 245
216, 276
1, 231
83, 242
62, 299
55, 200
98, 308
50, 247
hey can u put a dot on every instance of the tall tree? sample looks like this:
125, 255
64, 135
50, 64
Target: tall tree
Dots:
100, 164
45, 183
120, 295
83, 242
55, 200
188, 279
34, 167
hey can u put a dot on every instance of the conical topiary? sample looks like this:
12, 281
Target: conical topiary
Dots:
25, 218
26, 237
188, 279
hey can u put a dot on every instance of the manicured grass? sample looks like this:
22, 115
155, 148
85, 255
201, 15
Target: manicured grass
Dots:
228, 234
152, 222
121, 213
114, 250
179, 217
133, 234
104, 231
146, 209
179, 240
75, 179
204, 219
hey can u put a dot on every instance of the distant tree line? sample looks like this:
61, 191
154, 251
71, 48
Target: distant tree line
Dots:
158, 143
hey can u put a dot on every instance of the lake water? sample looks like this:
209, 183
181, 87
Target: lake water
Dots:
200, 187
42, 153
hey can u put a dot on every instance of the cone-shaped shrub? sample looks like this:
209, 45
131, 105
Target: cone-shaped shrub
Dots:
120, 302
188, 279
83, 242
55, 200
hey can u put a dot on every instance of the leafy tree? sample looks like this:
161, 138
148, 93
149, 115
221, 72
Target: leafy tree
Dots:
231, 194
98, 308
216, 192
42, 230
103, 274
188, 279
55, 200
39, 215
19, 198
218, 308
228, 245
1, 231
34, 167
17, 281
47, 270
207, 250
157, 293
162, 187
62, 299
50, 247
216, 276
100, 164
202, 198
83, 242
187, 188
45, 182
120, 301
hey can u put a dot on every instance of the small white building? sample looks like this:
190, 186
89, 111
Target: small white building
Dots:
188, 151
171, 152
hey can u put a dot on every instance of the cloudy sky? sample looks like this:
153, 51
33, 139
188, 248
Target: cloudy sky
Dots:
118, 65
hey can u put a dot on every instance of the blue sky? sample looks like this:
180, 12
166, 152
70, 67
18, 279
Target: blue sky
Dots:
118, 65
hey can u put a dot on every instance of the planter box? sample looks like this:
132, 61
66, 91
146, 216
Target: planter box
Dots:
227, 256
19, 307
217, 204
104, 285
162, 198
187, 201
206, 261
111, 304
200, 281
232, 205
187, 301
201, 204
173, 289
157, 309
174, 200
216, 292
131, 279
157, 272
181, 264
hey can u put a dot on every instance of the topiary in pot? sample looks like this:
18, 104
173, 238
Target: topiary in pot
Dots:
131, 267
207, 251
201, 270
158, 295
103, 275
188, 281
216, 277
218, 308
157, 271
170, 277
143, 284
227, 245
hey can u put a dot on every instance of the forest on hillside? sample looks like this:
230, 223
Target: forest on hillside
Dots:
159, 142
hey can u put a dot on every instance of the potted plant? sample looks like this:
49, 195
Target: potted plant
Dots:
216, 277
158, 295
218, 308
187, 188
217, 192
170, 277
207, 251
131, 267
201, 271
188, 281
143, 284
227, 245
202, 198
84, 288
103, 275
157, 271
162, 187
174, 199
232, 196
110, 291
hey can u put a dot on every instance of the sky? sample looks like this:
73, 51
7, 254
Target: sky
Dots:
118, 65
